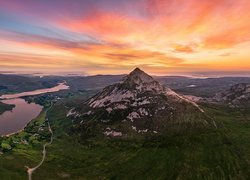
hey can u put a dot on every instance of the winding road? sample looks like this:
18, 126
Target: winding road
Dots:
30, 171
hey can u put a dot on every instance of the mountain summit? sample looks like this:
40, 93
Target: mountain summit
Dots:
138, 76
141, 81
138, 104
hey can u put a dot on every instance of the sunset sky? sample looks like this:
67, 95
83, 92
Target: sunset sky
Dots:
114, 36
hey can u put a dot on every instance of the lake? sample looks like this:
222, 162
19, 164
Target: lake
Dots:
59, 87
23, 112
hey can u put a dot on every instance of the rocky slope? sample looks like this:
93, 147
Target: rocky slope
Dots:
137, 105
238, 95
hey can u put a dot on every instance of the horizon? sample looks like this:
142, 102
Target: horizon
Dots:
109, 37
209, 74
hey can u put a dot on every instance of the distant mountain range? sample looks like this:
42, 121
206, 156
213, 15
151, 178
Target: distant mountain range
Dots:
205, 87
17, 83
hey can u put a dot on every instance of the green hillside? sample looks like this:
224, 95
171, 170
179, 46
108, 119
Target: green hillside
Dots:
222, 153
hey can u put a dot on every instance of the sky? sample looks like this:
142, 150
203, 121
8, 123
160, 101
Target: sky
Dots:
115, 36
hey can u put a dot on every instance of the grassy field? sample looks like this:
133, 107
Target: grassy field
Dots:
22, 149
222, 153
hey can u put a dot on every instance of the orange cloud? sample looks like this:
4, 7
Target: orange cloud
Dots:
184, 48
105, 24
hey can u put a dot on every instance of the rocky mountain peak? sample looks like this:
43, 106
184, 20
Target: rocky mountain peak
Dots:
138, 76
141, 81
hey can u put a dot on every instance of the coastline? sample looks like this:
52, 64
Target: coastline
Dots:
23, 129
58, 87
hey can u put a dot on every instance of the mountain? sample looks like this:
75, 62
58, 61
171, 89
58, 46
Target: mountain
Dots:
238, 95
137, 105
91, 82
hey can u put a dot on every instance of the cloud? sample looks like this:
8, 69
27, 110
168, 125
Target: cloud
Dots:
37, 61
143, 57
184, 48
40, 40
227, 39
226, 54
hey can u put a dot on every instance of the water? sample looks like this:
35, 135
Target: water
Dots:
59, 87
15, 120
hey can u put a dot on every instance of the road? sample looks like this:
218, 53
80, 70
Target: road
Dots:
30, 171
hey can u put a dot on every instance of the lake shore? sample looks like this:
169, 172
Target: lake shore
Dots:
14, 121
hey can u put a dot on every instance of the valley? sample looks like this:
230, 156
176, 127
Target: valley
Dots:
222, 153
